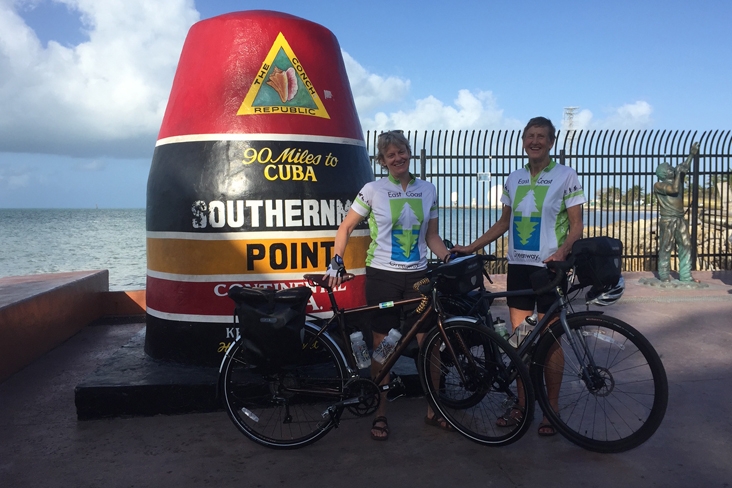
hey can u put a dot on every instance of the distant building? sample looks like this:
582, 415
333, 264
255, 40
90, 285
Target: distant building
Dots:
494, 196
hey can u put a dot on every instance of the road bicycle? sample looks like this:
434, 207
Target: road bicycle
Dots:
468, 372
598, 380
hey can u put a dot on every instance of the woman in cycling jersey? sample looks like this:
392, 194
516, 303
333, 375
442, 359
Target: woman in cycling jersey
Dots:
542, 208
402, 215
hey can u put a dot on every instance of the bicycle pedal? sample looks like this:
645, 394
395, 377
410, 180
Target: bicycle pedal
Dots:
394, 395
395, 389
330, 413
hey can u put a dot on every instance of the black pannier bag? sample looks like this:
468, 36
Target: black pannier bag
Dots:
460, 275
271, 322
598, 261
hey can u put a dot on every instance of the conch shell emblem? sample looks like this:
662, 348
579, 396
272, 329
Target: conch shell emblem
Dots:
284, 83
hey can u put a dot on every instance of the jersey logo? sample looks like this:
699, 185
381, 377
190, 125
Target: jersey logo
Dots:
407, 217
527, 218
282, 86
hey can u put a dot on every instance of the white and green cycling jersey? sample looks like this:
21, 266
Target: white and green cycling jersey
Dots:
539, 220
398, 222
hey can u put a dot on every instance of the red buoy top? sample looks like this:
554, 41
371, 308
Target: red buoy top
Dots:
260, 72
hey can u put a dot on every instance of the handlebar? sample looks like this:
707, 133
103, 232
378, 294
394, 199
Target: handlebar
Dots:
322, 279
560, 269
483, 257
487, 257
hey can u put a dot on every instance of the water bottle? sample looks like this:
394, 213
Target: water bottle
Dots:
499, 325
523, 330
360, 351
386, 348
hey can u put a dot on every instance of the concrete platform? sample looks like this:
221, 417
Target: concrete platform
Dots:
43, 444
39, 312
131, 383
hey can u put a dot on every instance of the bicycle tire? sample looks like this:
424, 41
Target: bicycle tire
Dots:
263, 405
625, 406
473, 406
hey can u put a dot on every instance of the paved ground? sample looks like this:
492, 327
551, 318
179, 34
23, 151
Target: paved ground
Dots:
42, 444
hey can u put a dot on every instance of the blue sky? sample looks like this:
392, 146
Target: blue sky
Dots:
84, 83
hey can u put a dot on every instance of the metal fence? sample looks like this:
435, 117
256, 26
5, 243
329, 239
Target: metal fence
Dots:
617, 171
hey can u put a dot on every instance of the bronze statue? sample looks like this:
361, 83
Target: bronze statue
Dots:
672, 226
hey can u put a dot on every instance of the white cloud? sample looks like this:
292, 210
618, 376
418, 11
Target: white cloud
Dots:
470, 111
90, 165
103, 96
15, 176
581, 120
371, 90
632, 116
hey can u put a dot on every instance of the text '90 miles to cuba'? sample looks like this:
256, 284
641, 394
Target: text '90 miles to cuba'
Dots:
290, 164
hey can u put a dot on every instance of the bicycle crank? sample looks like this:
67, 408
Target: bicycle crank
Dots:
364, 397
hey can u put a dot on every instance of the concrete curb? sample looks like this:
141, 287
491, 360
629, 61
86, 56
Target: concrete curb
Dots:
39, 312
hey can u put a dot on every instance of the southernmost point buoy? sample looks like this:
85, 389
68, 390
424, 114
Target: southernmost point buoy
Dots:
259, 157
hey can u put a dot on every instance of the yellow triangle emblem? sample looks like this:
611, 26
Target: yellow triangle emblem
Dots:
282, 86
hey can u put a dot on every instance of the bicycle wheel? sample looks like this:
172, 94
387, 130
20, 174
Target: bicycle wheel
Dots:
494, 380
624, 400
285, 407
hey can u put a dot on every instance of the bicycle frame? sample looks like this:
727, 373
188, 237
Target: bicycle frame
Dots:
435, 309
339, 316
558, 307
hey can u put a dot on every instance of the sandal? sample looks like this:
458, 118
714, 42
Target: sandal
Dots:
382, 429
547, 430
439, 422
512, 416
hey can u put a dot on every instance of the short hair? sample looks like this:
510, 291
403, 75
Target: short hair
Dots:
541, 122
388, 138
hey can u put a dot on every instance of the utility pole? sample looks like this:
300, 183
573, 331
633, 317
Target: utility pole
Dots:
569, 113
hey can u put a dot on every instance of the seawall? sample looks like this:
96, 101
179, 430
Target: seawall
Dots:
39, 312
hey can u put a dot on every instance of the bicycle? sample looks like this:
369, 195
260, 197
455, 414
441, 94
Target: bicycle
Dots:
468, 372
613, 391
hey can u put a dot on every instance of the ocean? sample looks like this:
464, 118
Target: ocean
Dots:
36, 241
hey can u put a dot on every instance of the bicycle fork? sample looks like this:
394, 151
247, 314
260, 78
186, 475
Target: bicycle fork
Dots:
588, 369
447, 345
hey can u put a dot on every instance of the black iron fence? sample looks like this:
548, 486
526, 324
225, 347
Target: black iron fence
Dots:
617, 171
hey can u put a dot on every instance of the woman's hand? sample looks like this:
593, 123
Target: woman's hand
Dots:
336, 270
463, 250
560, 255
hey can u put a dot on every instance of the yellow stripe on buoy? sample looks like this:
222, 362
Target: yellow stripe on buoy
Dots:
249, 256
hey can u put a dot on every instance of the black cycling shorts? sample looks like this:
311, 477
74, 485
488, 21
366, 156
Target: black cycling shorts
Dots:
519, 278
387, 286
